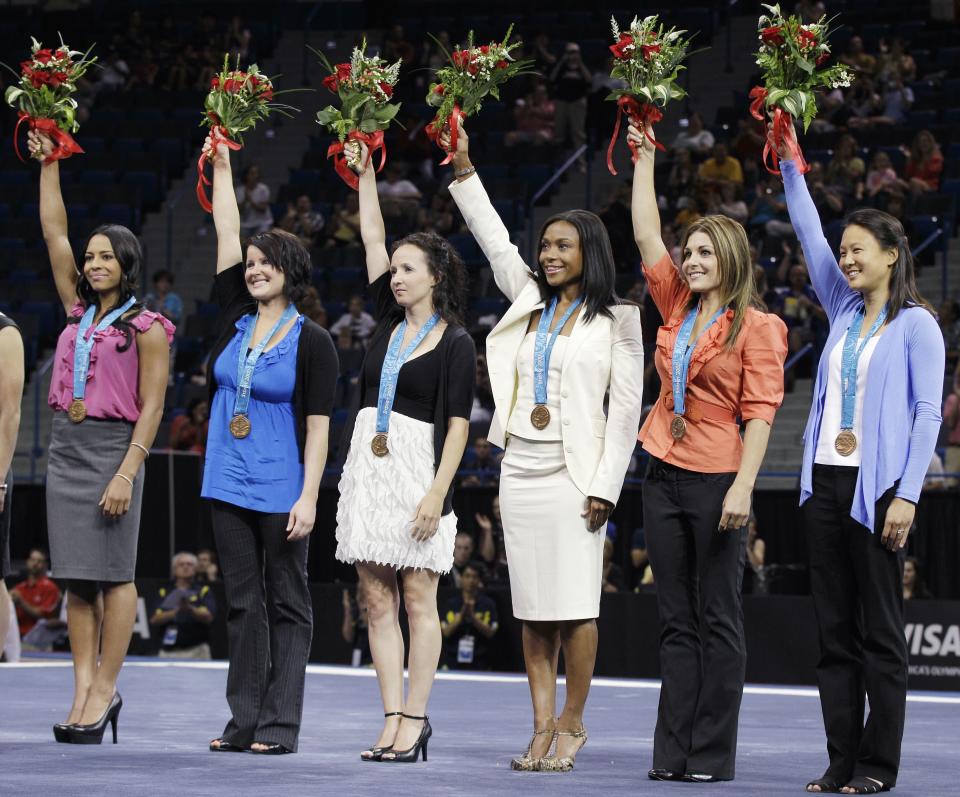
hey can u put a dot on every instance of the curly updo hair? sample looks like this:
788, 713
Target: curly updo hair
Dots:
129, 254
288, 255
445, 263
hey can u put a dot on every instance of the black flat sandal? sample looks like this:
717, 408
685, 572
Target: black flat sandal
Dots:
825, 786
861, 784
271, 748
223, 746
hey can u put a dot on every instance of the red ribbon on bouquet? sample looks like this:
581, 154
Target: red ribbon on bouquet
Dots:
64, 144
453, 122
777, 137
640, 116
218, 135
374, 142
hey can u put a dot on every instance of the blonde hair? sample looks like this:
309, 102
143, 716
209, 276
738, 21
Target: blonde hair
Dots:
738, 288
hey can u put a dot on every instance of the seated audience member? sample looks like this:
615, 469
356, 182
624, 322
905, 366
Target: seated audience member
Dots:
359, 321
468, 622
882, 178
188, 432
354, 629
345, 227
534, 118
491, 547
253, 199
37, 596
913, 584
696, 138
311, 306
769, 209
846, 170
484, 467
756, 554
162, 299
721, 168
951, 425
612, 572
208, 570
924, 164
729, 203
186, 609
399, 198
303, 221
858, 59
828, 200
934, 477
638, 556
463, 547
948, 317
683, 175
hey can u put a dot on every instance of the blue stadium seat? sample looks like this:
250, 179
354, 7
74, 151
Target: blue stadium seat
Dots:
147, 182
115, 213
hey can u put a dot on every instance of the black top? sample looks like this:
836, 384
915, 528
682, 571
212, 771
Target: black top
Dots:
317, 367
449, 372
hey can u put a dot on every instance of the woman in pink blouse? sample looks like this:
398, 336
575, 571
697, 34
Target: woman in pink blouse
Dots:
109, 377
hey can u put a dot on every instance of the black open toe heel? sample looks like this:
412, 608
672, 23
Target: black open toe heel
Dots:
271, 748
222, 746
376, 753
864, 785
825, 786
410, 756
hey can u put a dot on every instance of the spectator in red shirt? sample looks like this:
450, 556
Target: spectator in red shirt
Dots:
188, 432
37, 597
925, 163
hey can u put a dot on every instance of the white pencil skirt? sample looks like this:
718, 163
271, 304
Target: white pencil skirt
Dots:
555, 561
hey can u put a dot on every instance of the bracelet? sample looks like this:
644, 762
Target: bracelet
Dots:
125, 478
464, 172
144, 449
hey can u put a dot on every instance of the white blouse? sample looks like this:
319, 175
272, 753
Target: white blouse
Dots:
519, 423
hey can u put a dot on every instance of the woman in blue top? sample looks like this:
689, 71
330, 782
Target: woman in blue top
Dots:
272, 378
871, 433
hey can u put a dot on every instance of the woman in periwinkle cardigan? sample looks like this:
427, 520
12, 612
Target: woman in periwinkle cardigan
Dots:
872, 429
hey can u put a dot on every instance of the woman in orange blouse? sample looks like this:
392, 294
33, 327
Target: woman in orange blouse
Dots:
720, 359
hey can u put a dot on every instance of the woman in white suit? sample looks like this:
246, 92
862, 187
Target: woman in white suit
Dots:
565, 341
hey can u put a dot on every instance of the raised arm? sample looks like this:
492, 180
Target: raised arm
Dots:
510, 272
226, 214
372, 231
825, 275
53, 221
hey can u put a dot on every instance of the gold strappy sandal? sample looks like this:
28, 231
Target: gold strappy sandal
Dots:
551, 763
526, 762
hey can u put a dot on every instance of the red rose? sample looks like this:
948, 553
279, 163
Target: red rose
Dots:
806, 40
266, 95
26, 68
254, 82
460, 58
387, 89
619, 49
343, 72
439, 89
648, 50
58, 79
63, 52
484, 49
215, 83
473, 68
43, 56
502, 64
331, 82
232, 85
822, 57
773, 36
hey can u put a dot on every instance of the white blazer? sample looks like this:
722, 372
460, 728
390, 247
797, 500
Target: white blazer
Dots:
602, 354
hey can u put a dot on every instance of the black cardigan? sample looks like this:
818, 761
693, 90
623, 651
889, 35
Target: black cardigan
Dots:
455, 344
317, 364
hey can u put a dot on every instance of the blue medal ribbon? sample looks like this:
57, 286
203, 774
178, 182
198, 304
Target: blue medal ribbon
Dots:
850, 361
683, 353
390, 370
247, 360
84, 346
543, 347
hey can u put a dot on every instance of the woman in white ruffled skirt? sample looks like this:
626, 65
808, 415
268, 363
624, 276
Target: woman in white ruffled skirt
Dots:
395, 516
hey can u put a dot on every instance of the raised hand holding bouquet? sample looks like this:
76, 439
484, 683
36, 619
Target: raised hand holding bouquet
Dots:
237, 100
790, 57
365, 87
42, 96
463, 84
649, 60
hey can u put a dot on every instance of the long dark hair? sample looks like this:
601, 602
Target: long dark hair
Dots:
598, 283
126, 248
888, 232
445, 263
289, 256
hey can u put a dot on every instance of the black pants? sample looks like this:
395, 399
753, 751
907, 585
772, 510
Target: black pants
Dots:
698, 572
269, 624
857, 587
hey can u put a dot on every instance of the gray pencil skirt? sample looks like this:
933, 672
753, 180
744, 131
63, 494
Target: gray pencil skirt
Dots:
84, 544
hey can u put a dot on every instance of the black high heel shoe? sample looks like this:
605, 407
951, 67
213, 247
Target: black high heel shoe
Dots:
61, 732
93, 733
410, 756
376, 753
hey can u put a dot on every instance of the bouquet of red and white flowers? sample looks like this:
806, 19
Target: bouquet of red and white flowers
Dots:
462, 85
649, 60
237, 100
365, 87
42, 95
790, 57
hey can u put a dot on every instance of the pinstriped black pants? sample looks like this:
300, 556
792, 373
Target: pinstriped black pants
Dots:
269, 624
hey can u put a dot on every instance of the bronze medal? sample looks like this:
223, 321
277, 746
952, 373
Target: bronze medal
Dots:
846, 443
77, 411
239, 426
379, 445
540, 416
678, 427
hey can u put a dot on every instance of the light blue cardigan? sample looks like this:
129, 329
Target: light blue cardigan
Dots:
901, 405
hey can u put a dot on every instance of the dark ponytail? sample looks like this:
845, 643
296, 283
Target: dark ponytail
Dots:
889, 234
